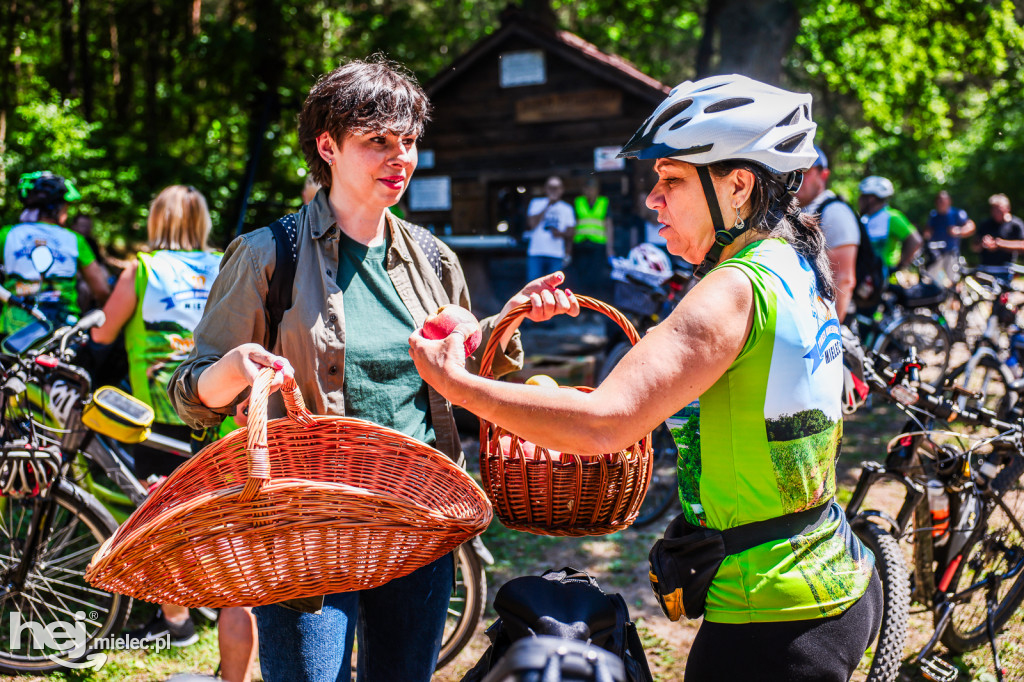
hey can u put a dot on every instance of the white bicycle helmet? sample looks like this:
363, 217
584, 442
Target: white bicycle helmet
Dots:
726, 118
729, 117
650, 258
876, 185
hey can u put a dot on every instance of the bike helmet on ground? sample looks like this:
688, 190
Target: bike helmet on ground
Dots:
726, 118
42, 189
876, 185
650, 258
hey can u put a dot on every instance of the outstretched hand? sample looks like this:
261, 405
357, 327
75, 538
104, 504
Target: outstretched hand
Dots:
546, 299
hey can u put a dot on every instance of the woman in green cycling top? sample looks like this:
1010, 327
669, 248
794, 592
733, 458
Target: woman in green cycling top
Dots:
51, 280
158, 301
748, 372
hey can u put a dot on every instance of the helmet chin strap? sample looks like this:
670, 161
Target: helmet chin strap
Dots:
723, 237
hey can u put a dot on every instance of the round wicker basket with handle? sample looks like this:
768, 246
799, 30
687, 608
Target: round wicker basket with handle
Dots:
341, 504
562, 494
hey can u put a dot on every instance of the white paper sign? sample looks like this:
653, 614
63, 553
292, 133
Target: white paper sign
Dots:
523, 67
605, 159
430, 194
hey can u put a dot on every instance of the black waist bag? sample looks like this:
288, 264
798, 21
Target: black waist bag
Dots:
685, 561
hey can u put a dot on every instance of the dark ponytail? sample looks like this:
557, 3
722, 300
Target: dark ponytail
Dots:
777, 212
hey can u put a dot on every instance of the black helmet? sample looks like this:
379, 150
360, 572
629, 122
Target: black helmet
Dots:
43, 189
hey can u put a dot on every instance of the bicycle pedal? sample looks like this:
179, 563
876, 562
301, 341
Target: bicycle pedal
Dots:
938, 670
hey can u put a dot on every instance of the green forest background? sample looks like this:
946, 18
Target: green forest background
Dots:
128, 96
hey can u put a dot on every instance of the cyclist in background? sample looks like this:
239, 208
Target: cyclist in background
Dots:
892, 236
45, 197
158, 301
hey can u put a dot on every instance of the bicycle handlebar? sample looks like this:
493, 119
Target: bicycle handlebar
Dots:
7, 298
890, 383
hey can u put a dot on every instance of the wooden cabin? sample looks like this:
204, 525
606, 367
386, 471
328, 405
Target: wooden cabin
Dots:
524, 103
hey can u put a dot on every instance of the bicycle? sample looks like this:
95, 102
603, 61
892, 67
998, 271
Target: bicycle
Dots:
908, 317
647, 304
49, 527
963, 512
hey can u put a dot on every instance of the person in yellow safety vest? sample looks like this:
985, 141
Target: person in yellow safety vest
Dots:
593, 243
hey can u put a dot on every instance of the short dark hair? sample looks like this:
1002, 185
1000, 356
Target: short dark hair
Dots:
360, 96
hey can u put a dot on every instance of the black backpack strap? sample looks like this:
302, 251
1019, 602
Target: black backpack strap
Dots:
427, 243
279, 289
749, 535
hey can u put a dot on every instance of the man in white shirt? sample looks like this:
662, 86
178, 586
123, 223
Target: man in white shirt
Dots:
551, 223
839, 223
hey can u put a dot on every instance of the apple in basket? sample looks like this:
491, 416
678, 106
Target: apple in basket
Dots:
446, 319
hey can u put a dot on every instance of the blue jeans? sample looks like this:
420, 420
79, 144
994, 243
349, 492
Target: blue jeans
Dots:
400, 626
538, 266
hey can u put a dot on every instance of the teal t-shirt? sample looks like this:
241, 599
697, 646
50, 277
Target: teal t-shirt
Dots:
381, 381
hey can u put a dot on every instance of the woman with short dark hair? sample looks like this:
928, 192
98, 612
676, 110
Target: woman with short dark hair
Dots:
364, 281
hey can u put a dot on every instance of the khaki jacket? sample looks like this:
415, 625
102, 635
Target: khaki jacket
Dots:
312, 331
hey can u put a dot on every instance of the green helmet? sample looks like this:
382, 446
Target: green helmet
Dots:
42, 189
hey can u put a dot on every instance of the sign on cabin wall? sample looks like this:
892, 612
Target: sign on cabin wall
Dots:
430, 194
569, 106
606, 159
522, 67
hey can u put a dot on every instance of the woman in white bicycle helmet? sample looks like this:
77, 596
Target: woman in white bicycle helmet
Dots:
756, 345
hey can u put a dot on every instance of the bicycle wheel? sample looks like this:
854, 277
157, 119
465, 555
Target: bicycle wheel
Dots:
55, 590
886, 652
998, 549
664, 487
466, 607
990, 379
925, 333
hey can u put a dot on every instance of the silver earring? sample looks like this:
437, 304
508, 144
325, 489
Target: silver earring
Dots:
739, 224
330, 162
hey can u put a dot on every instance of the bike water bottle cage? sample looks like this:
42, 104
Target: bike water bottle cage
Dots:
114, 413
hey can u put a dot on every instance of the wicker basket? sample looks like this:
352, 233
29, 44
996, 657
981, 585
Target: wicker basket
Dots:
561, 494
342, 505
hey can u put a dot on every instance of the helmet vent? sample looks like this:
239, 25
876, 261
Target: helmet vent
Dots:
679, 124
789, 120
671, 112
727, 104
712, 87
693, 150
791, 144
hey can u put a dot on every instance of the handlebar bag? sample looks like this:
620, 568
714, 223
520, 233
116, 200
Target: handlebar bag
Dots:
684, 562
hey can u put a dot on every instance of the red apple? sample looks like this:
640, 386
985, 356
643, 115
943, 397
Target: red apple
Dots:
446, 319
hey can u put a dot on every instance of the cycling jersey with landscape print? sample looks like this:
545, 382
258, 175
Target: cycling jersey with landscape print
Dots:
762, 442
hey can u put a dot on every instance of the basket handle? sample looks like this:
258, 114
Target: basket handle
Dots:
256, 437
520, 311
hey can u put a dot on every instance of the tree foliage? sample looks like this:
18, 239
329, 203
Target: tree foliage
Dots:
127, 96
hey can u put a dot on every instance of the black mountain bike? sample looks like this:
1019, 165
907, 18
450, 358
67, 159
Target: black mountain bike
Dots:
963, 511
49, 527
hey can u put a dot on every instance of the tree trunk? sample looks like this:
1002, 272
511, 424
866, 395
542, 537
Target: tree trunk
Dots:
67, 47
754, 36
706, 49
7, 93
85, 60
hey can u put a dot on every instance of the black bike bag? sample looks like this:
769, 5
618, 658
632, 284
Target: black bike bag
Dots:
684, 562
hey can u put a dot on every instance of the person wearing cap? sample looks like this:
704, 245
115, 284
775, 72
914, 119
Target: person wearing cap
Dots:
839, 223
42, 258
892, 235
757, 344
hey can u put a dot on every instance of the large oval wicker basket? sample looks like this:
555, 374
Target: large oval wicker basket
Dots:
561, 494
300, 506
